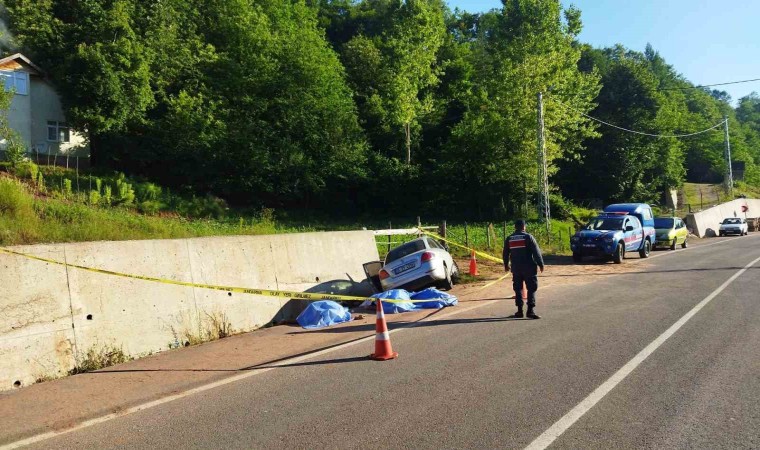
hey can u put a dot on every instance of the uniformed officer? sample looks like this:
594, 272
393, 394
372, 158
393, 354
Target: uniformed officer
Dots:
522, 253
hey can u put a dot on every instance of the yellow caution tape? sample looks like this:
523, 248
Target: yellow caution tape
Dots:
241, 290
479, 253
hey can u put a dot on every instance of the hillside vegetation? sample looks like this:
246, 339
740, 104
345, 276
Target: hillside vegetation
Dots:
382, 107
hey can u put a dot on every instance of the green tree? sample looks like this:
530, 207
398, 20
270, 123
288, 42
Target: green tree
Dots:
12, 144
526, 48
393, 66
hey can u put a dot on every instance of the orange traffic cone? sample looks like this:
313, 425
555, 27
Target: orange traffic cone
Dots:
473, 265
383, 349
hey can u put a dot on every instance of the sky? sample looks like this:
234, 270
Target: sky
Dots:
707, 41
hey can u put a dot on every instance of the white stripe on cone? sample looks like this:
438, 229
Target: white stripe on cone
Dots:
384, 336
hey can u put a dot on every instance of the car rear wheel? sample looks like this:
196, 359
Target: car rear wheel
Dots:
455, 274
684, 245
644, 252
619, 254
673, 244
447, 284
577, 257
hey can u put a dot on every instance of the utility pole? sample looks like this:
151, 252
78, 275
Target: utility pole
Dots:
543, 177
729, 170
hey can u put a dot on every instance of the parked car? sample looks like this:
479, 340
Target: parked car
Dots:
419, 264
733, 225
611, 235
669, 232
643, 212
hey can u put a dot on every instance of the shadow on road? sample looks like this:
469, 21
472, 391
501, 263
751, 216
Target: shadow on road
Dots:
274, 364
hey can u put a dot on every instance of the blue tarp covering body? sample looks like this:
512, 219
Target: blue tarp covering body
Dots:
396, 294
437, 299
327, 312
323, 314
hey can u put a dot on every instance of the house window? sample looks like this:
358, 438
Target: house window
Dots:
16, 81
58, 132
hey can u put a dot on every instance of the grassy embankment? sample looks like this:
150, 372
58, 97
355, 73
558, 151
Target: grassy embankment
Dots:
50, 204
40, 205
713, 194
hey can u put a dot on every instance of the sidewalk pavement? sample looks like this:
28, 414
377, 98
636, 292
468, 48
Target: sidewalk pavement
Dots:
64, 403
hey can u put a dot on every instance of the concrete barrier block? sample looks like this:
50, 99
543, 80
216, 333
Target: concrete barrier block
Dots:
36, 336
707, 222
240, 261
139, 316
50, 316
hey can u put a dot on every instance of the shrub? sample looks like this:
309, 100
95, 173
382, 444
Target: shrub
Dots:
94, 198
149, 207
15, 201
148, 192
107, 195
15, 151
203, 207
27, 170
67, 188
124, 194
98, 358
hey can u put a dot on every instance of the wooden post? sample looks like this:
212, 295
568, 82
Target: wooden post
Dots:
466, 236
389, 238
561, 242
442, 233
488, 237
419, 226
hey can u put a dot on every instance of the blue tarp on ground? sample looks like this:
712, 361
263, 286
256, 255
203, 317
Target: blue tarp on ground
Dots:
396, 294
437, 299
323, 314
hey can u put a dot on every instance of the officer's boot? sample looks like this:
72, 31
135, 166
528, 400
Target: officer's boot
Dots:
519, 313
532, 314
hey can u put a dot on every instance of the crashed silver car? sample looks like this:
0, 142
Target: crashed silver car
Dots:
419, 264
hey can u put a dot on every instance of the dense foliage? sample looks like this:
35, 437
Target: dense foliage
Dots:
374, 106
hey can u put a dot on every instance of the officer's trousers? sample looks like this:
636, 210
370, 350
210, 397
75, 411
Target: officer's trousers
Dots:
529, 276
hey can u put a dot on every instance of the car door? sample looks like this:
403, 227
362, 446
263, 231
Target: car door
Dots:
681, 232
629, 235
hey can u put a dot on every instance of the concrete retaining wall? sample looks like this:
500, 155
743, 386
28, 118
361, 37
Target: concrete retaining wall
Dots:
50, 315
706, 223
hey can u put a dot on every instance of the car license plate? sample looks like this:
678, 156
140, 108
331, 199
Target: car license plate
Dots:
589, 245
403, 268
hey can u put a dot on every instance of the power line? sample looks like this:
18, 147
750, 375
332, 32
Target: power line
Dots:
708, 85
641, 132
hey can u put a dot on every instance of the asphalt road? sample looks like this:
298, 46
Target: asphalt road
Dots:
479, 380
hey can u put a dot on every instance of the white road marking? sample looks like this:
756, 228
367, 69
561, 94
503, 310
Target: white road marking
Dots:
559, 427
232, 379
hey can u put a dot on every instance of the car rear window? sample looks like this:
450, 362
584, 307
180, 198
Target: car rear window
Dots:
663, 223
404, 250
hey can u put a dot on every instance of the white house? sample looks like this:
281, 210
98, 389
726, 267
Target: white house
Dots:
36, 113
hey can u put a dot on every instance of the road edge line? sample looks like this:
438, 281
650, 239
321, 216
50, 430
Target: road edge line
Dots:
546, 438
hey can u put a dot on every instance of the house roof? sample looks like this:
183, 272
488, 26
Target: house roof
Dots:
19, 58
